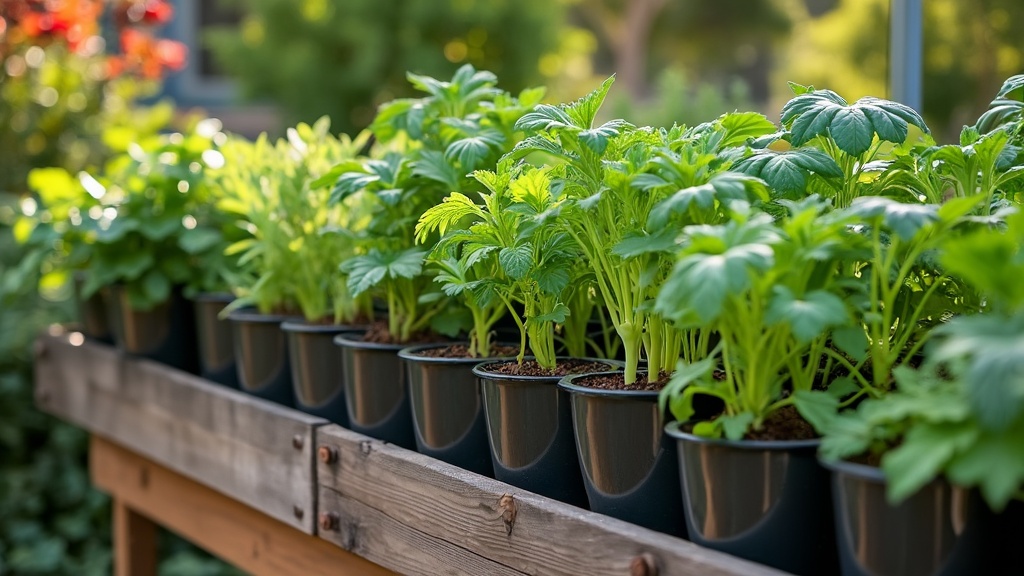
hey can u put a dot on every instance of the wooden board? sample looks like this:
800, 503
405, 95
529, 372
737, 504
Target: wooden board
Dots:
238, 534
390, 503
254, 451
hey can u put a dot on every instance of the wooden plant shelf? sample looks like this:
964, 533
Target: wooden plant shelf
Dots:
283, 477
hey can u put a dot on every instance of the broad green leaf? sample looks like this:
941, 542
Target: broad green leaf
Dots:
903, 219
432, 165
597, 138
851, 340
721, 188
808, 317
788, 171
557, 315
735, 426
817, 407
993, 463
742, 126
922, 455
584, 111
199, 240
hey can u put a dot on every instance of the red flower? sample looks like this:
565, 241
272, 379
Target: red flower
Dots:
150, 56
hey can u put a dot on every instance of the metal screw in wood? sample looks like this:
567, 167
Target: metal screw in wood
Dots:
644, 565
297, 441
299, 512
328, 454
328, 521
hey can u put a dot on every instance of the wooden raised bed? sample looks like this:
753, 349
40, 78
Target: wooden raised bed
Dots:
204, 461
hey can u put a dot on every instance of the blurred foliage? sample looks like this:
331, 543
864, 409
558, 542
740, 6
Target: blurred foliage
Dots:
317, 57
970, 46
679, 99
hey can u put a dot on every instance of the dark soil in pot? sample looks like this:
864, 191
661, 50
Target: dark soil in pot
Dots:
529, 426
261, 356
316, 365
165, 333
766, 501
630, 466
374, 381
940, 530
216, 342
447, 410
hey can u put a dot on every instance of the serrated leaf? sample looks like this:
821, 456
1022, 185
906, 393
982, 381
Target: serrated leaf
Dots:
432, 165
743, 126
516, 261
921, 456
722, 188
557, 315
597, 138
903, 219
852, 127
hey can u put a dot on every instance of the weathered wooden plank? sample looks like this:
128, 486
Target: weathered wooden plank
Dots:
223, 526
379, 538
254, 451
135, 542
461, 508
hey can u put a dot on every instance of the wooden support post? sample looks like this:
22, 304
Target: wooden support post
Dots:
135, 542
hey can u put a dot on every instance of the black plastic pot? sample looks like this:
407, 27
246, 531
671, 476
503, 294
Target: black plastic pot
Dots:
940, 530
216, 345
317, 369
93, 317
764, 501
447, 411
630, 466
261, 356
529, 429
165, 333
376, 393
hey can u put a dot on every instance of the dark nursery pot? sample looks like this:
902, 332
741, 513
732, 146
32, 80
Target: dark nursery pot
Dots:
93, 317
529, 429
216, 344
165, 332
261, 356
447, 411
317, 369
376, 393
764, 501
941, 530
630, 466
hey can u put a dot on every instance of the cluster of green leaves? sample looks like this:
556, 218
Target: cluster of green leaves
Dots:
961, 414
435, 143
144, 221
296, 237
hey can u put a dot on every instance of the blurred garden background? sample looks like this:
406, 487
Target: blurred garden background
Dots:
81, 80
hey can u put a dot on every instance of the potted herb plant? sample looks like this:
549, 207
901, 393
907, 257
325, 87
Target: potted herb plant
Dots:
528, 418
929, 477
151, 241
434, 141
750, 481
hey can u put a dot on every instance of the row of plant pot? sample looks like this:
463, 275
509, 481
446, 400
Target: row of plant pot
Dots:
772, 502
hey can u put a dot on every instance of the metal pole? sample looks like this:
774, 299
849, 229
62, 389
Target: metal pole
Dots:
905, 44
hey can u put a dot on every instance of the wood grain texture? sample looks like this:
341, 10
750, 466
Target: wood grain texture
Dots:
254, 451
462, 509
233, 531
388, 542
135, 542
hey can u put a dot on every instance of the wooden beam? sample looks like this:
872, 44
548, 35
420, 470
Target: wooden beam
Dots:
252, 450
135, 542
229, 529
387, 501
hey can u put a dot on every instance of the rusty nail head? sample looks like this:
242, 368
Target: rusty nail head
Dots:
328, 454
328, 521
644, 565
299, 512
297, 441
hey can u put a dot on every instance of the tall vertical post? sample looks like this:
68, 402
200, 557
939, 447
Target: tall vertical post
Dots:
905, 48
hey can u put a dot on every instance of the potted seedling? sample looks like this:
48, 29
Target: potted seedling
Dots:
447, 411
152, 240
434, 142
261, 181
528, 418
930, 475
771, 291
626, 193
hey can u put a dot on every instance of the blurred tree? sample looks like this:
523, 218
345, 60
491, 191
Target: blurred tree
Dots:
710, 41
318, 57
970, 47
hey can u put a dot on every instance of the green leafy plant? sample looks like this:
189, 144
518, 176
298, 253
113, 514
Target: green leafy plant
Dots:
298, 240
850, 135
515, 255
961, 414
771, 292
435, 142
